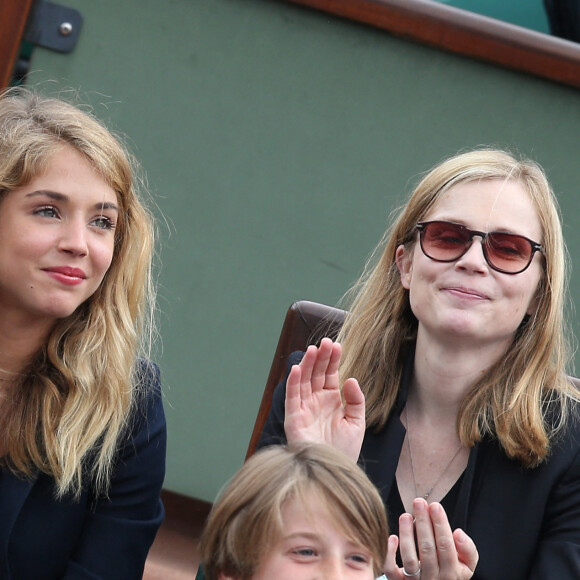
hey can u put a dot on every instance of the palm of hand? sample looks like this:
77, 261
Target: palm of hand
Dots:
314, 406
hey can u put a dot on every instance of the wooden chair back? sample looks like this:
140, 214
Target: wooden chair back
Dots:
305, 323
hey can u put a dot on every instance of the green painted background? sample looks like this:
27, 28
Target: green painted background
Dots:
276, 141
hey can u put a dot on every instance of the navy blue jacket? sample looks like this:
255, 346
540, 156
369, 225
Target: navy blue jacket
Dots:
42, 538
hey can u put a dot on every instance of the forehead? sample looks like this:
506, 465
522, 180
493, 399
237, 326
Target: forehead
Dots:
70, 173
313, 507
489, 204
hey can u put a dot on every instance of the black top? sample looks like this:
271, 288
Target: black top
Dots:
395, 507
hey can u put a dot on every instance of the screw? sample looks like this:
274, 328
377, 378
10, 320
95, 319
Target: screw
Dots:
65, 28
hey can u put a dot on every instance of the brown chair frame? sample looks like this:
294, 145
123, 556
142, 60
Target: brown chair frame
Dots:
13, 18
305, 323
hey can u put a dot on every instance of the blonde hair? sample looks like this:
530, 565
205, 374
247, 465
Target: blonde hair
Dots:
515, 396
76, 397
247, 519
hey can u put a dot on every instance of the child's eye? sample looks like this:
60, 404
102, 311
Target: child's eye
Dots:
104, 223
47, 211
306, 552
360, 560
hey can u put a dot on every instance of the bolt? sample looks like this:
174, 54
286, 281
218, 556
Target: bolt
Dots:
65, 29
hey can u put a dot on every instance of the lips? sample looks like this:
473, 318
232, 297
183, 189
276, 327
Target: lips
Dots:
466, 292
66, 275
68, 271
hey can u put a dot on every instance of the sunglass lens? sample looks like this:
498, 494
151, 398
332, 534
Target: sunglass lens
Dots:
508, 252
444, 241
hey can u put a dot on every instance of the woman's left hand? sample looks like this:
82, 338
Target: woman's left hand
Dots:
437, 553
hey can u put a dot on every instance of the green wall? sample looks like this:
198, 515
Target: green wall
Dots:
276, 141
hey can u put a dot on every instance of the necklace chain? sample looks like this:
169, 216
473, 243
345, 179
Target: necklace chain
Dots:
430, 490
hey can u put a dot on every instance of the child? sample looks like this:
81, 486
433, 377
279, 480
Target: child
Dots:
294, 513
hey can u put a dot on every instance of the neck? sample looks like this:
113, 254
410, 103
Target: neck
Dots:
19, 344
444, 373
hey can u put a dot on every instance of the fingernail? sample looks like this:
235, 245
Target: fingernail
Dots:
419, 504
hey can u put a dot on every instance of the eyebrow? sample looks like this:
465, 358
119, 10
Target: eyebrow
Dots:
307, 535
62, 197
313, 537
461, 222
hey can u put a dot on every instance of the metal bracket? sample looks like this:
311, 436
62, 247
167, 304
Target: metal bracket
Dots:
53, 26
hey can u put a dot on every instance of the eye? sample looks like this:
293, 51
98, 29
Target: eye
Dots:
360, 560
305, 552
445, 234
509, 246
48, 211
103, 222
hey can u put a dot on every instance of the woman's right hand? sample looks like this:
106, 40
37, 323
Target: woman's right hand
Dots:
314, 409
430, 546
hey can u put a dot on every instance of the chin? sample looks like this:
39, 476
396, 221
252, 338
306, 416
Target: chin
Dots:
464, 327
60, 311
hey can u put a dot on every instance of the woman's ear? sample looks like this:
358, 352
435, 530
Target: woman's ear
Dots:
404, 265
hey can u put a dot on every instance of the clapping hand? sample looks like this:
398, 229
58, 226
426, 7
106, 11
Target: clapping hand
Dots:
429, 549
315, 410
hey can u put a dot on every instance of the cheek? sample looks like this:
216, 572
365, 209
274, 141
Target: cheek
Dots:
32, 245
524, 300
103, 256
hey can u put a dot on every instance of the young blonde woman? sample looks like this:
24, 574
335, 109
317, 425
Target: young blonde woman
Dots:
82, 429
468, 423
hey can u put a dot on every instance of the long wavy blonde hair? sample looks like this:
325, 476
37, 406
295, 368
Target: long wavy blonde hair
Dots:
524, 398
75, 400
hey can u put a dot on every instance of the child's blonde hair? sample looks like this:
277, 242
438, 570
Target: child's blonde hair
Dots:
247, 518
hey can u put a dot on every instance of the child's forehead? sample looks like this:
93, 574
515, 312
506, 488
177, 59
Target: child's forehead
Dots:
309, 498
313, 505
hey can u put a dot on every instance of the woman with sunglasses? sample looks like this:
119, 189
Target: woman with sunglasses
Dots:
468, 422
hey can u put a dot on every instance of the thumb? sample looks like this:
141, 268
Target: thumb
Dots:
466, 550
354, 400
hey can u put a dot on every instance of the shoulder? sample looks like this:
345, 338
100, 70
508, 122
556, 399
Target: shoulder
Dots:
562, 415
147, 376
567, 436
294, 359
563, 418
147, 384
147, 417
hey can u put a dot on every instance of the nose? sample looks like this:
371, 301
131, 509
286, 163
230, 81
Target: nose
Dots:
73, 239
334, 569
473, 260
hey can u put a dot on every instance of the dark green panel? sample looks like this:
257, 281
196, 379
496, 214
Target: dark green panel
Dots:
528, 13
276, 141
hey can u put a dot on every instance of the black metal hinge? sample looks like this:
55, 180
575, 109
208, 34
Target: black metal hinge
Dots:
53, 26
